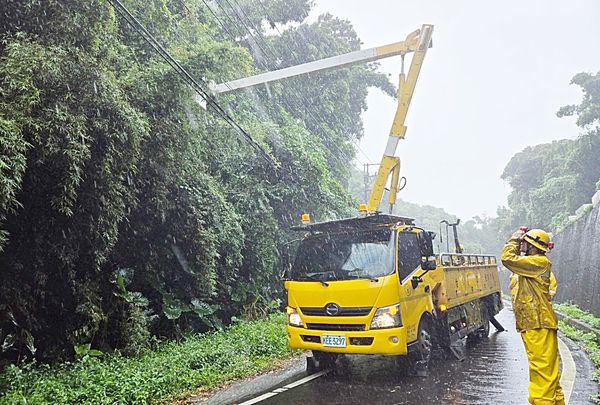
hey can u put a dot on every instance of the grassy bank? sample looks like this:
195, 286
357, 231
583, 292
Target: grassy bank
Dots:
575, 312
173, 371
586, 339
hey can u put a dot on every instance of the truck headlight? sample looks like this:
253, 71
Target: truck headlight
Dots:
293, 317
387, 317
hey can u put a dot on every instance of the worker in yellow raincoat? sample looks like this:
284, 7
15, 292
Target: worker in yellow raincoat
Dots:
535, 318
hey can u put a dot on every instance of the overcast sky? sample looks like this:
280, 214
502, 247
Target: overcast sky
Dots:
490, 86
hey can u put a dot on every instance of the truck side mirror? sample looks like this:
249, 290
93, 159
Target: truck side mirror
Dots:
426, 248
425, 243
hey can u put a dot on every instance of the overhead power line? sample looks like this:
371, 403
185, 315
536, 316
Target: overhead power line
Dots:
210, 100
269, 56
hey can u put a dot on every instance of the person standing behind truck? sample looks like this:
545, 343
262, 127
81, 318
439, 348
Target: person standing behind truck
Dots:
535, 318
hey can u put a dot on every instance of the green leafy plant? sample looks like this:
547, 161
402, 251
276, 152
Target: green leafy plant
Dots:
139, 214
574, 311
173, 370
84, 352
589, 344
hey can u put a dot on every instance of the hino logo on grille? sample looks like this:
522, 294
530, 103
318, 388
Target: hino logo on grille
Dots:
332, 309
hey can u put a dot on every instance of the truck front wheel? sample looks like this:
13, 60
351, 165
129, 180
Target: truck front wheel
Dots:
416, 363
424, 343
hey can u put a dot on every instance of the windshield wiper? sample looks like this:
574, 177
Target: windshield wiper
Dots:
313, 277
362, 276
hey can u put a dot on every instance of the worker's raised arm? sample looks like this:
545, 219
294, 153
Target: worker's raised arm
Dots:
528, 266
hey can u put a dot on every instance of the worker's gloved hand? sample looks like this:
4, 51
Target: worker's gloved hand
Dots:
518, 234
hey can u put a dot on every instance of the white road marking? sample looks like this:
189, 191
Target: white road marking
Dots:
260, 398
306, 379
285, 388
567, 377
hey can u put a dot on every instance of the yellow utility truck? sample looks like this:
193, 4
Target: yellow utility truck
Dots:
372, 285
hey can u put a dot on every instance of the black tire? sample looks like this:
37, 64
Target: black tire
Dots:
484, 331
424, 345
416, 363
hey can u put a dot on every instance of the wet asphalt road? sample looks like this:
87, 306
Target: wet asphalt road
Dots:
494, 371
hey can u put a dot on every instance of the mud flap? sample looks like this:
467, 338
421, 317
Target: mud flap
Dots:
421, 368
497, 325
457, 348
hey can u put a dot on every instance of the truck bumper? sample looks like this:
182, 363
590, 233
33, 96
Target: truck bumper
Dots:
380, 341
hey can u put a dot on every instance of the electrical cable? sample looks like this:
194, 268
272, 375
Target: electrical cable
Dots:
298, 94
138, 27
239, 13
218, 20
266, 50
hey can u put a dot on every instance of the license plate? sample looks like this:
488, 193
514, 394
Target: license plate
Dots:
334, 340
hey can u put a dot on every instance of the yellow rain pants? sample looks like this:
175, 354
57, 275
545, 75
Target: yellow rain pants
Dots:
541, 346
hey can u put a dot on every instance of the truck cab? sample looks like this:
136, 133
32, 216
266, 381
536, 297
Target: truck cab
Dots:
356, 286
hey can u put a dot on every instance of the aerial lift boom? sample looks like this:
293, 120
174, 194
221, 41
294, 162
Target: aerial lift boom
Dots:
418, 42
391, 163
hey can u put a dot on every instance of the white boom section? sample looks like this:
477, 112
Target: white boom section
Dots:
362, 56
417, 41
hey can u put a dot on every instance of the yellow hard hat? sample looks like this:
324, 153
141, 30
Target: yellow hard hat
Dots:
538, 238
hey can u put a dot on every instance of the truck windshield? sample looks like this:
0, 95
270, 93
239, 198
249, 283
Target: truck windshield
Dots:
345, 256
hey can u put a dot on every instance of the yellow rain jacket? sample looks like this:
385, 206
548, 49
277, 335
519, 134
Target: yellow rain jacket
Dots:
532, 304
514, 286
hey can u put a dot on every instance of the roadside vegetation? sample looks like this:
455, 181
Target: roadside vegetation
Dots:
173, 370
574, 311
130, 216
588, 340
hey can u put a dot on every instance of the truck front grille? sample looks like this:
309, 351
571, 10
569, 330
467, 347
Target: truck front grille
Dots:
334, 326
348, 311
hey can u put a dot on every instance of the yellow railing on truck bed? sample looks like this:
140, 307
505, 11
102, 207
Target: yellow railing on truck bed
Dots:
468, 277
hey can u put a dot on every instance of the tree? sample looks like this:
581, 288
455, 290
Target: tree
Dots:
588, 111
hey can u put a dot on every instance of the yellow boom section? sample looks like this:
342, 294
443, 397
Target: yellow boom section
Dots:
418, 42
